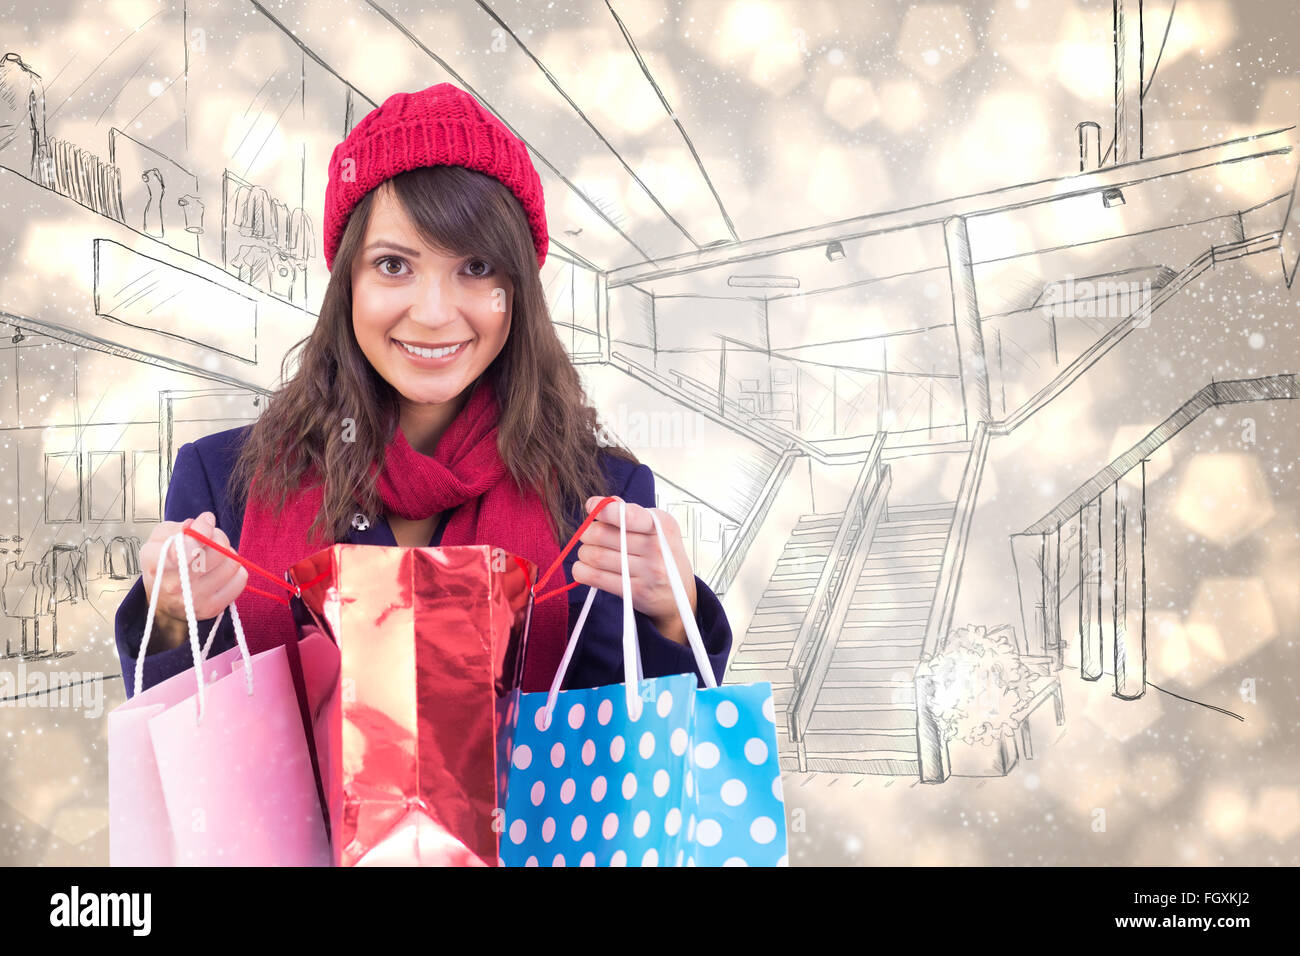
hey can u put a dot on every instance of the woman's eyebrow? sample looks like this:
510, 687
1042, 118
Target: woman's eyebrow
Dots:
414, 254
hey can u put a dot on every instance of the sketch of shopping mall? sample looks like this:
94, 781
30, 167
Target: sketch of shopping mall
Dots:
921, 449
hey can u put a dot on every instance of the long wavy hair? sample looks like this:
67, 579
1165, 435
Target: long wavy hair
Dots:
547, 433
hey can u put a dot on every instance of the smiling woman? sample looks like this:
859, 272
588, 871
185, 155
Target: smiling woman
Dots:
429, 322
434, 257
432, 404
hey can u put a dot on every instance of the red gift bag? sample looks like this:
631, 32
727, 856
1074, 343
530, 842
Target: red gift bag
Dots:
411, 713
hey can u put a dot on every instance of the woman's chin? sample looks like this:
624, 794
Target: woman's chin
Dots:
434, 396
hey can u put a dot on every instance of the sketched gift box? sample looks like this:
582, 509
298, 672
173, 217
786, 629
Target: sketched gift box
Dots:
975, 688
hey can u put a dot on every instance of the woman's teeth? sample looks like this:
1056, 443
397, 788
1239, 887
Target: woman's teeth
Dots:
431, 353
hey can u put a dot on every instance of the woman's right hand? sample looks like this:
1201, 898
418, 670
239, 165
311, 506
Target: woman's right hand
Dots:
215, 579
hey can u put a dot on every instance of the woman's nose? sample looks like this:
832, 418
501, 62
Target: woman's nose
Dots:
435, 301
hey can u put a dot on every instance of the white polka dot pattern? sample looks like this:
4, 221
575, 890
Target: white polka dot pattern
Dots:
694, 780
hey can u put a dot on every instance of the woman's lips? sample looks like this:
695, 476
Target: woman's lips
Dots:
439, 361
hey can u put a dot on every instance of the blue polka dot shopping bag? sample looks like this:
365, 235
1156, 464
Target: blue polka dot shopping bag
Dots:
656, 772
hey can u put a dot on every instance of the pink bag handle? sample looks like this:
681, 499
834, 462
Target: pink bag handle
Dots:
187, 596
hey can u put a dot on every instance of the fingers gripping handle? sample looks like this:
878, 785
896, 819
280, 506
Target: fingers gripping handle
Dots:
187, 596
631, 648
182, 561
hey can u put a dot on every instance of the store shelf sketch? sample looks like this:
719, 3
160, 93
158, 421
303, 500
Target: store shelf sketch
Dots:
162, 192
199, 310
276, 260
965, 367
35, 589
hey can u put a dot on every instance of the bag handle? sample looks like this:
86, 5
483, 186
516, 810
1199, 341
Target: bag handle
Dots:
177, 540
573, 540
693, 637
631, 646
293, 589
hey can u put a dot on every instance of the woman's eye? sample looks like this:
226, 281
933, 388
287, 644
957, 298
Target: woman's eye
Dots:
388, 260
487, 268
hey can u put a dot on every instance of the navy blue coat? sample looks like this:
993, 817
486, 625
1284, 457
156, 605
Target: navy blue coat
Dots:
197, 485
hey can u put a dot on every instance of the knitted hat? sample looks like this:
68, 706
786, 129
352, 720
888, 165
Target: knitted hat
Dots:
439, 126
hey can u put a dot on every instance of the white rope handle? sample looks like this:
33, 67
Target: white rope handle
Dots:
631, 658
631, 647
187, 595
684, 607
563, 669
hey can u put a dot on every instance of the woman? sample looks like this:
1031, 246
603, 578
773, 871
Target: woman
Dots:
433, 405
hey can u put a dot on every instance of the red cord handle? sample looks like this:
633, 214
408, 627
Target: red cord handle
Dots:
537, 599
297, 591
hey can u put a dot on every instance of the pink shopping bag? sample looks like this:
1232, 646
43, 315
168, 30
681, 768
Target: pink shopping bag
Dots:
211, 766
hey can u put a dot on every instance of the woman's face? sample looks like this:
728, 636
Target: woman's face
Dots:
454, 309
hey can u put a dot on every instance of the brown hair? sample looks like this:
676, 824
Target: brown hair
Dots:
547, 432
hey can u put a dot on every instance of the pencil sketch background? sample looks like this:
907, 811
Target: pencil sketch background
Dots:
825, 267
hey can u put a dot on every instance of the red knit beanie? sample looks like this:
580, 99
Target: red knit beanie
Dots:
439, 126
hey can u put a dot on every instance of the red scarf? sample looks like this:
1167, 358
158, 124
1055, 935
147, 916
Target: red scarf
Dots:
466, 473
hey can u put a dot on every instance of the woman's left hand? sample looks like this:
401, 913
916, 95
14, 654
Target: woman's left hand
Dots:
599, 564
